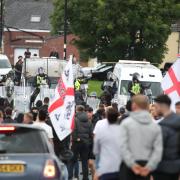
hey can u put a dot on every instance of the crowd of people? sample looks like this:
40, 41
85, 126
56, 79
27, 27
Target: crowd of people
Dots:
136, 142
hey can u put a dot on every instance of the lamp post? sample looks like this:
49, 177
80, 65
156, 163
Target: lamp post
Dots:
1, 24
65, 30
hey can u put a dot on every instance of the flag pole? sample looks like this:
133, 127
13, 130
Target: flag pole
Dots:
65, 30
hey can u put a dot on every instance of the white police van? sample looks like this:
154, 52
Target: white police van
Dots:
148, 74
5, 66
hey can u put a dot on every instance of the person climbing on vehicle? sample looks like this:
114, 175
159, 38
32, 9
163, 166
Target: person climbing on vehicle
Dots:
41, 79
109, 85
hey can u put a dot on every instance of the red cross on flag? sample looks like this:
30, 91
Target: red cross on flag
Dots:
171, 82
62, 108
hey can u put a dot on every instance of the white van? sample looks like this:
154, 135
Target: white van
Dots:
148, 74
5, 66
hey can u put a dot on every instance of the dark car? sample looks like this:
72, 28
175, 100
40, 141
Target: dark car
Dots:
101, 74
26, 154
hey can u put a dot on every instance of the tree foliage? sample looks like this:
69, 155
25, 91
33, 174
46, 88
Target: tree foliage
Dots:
114, 29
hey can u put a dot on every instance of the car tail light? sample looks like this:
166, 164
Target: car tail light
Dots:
7, 129
49, 169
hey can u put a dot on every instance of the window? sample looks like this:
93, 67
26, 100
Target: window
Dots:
35, 18
22, 141
154, 86
4, 64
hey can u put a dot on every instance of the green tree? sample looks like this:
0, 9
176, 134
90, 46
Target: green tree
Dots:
114, 29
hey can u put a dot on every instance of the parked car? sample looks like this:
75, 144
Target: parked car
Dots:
26, 154
5, 68
101, 73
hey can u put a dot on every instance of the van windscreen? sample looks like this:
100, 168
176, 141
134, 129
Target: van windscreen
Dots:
4, 64
154, 86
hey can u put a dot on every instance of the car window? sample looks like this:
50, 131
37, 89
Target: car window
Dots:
23, 141
4, 64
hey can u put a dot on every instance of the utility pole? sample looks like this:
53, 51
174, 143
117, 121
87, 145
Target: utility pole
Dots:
65, 30
1, 25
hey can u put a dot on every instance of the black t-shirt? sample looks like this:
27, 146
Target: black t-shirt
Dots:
18, 67
27, 54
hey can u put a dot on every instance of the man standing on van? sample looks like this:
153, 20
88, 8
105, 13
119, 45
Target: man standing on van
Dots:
18, 70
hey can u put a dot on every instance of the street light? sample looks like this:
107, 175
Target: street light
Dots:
1, 24
65, 30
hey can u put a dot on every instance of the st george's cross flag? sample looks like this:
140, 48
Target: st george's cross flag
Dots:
171, 82
62, 108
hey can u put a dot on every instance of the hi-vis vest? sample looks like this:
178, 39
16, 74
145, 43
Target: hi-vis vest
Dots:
136, 88
77, 85
41, 81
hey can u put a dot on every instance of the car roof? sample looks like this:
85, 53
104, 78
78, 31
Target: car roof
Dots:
2, 56
28, 126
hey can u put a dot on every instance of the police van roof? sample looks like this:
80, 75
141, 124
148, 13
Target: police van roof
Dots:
133, 62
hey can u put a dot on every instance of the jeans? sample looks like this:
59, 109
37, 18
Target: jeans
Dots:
165, 176
80, 149
109, 176
34, 96
127, 174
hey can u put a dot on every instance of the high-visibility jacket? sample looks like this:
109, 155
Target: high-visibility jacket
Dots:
77, 85
136, 88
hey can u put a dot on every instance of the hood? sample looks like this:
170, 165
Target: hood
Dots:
82, 116
5, 71
142, 117
173, 121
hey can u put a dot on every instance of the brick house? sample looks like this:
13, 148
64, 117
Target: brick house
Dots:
27, 25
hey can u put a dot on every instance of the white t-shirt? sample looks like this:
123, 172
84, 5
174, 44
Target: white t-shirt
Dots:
46, 127
107, 147
101, 124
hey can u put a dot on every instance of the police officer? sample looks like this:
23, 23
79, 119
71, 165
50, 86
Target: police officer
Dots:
78, 92
135, 87
41, 79
109, 85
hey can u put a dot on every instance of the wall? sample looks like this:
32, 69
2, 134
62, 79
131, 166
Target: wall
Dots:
172, 45
16, 39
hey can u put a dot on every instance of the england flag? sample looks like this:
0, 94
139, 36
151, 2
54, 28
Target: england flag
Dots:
62, 108
171, 82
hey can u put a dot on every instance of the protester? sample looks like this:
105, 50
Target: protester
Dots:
156, 117
19, 118
81, 139
107, 146
42, 117
1, 116
141, 142
27, 53
54, 53
177, 108
28, 118
8, 115
34, 112
99, 115
18, 70
91, 163
115, 106
45, 104
169, 167
124, 112
39, 104
2, 104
